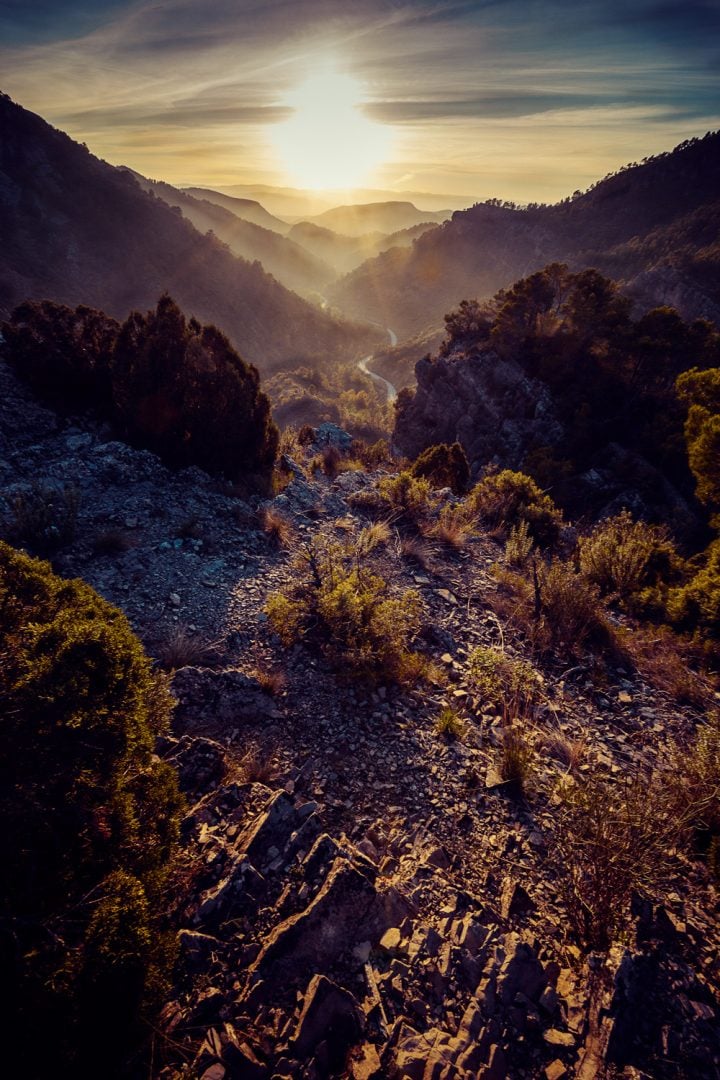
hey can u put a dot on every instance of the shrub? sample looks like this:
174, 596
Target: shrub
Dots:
444, 466
570, 605
695, 606
89, 813
363, 626
610, 840
508, 498
407, 493
63, 354
182, 391
519, 545
622, 556
44, 518
694, 776
501, 680
450, 724
374, 455
170, 385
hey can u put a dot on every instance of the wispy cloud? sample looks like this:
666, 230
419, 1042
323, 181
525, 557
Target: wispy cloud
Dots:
508, 97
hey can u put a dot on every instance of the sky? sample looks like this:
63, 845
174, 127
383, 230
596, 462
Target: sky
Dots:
516, 99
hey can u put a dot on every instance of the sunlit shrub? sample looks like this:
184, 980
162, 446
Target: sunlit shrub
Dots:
621, 555
508, 498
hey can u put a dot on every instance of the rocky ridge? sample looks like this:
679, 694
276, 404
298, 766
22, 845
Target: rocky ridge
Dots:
358, 895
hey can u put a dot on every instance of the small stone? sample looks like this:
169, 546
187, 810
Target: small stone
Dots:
555, 1070
624, 698
175, 599
391, 939
553, 1037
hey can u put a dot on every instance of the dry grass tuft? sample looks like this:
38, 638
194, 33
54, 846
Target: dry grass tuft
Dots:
568, 752
276, 527
273, 682
257, 765
665, 661
415, 550
516, 754
181, 647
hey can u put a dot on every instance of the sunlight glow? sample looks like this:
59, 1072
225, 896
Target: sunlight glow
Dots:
327, 142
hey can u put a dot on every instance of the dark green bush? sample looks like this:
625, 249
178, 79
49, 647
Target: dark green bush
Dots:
444, 466
62, 353
181, 390
170, 385
83, 799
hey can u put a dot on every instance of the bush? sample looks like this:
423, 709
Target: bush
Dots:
83, 800
407, 493
444, 466
500, 680
63, 354
182, 391
695, 606
571, 608
170, 385
610, 840
364, 628
622, 556
508, 498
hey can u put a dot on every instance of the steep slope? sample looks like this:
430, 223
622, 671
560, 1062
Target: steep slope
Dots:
352, 882
347, 252
77, 230
653, 226
286, 260
385, 217
247, 209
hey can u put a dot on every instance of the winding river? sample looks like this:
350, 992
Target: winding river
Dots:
387, 387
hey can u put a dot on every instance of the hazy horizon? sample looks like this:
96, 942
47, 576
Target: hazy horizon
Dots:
471, 100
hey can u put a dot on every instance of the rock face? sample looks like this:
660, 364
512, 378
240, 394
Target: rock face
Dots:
487, 404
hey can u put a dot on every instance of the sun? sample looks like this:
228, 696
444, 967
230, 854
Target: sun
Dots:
328, 142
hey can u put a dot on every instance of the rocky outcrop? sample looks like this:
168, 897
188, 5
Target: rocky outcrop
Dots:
487, 404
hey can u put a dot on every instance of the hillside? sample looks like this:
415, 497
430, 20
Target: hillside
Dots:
291, 264
653, 226
247, 209
77, 230
385, 217
345, 253
363, 886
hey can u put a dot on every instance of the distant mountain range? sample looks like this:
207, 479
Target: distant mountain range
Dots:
383, 217
292, 265
77, 230
653, 226
298, 204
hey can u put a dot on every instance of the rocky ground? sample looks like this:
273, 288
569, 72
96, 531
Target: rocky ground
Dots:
359, 895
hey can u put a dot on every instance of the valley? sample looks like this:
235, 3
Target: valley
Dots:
359, 623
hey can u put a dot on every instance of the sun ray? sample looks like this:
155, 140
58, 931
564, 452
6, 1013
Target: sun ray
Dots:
328, 142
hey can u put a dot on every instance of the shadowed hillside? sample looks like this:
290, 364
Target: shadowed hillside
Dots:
77, 230
653, 226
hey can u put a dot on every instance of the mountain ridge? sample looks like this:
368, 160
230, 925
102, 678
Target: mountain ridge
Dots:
492, 244
79, 231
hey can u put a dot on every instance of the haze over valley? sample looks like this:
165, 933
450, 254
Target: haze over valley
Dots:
359, 551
